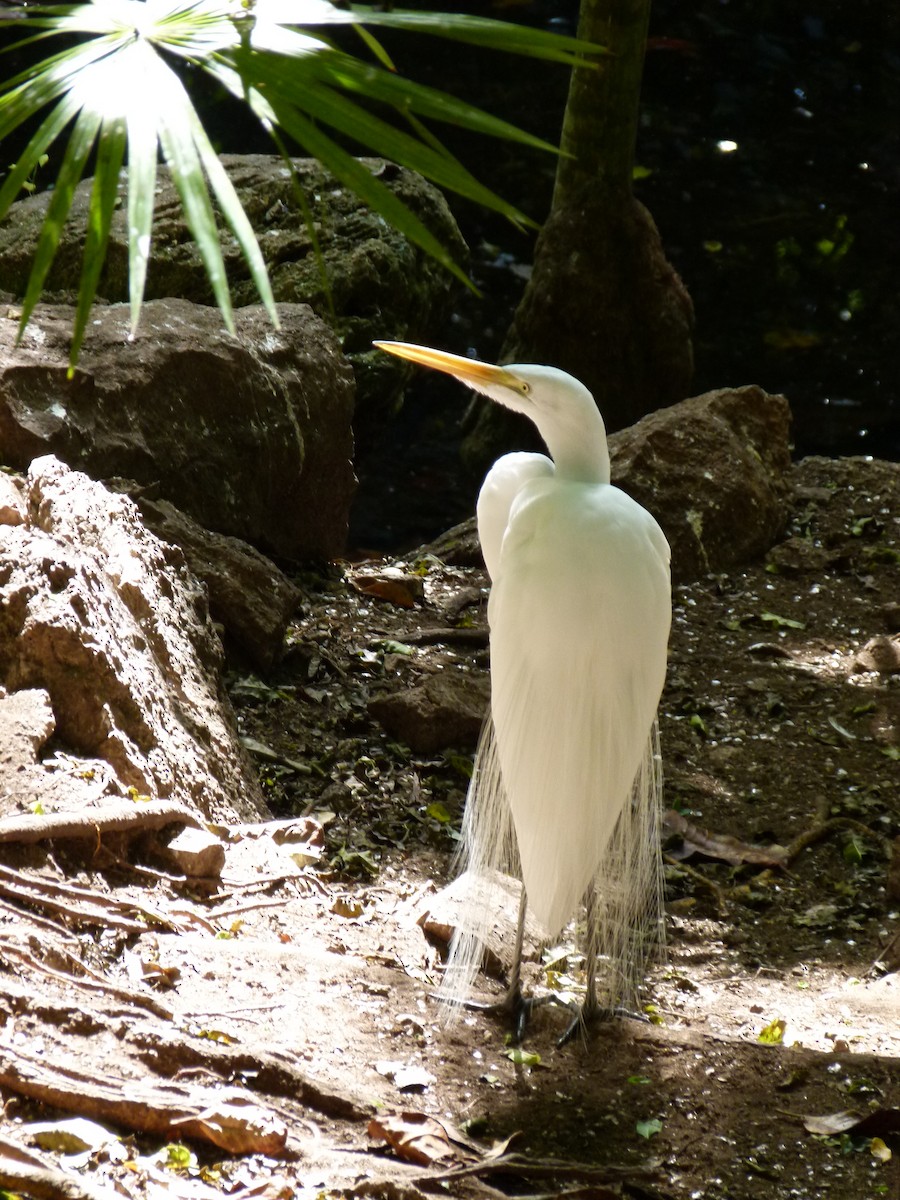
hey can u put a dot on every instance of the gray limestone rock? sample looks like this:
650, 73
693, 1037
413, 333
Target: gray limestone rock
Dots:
106, 643
249, 435
379, 285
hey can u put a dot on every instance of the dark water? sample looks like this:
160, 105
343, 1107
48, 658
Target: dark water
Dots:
769, 154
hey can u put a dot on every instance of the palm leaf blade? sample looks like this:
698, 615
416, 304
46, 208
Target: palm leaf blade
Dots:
486, 32
79, 147
187, 175
302, 89
405, 95
142, 160
104, 194
233, 212
356, 175
30, 158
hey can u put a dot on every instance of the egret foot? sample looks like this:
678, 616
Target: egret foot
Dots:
515, 1006
593, 1014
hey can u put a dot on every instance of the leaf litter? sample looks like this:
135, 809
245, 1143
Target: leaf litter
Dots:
245, 1016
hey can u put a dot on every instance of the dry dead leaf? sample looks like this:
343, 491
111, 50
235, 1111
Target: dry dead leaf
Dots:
159, 976
391, 590
722, 846
240, 1126
71, 1136
391, 584
870, 1124
415, 1138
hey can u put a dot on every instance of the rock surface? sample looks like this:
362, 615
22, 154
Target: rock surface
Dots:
380, 284
12, 500
713, 470
446, 709
106, 645
880, 654
249, 435
248, 595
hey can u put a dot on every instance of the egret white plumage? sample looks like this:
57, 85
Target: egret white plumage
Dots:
566, 787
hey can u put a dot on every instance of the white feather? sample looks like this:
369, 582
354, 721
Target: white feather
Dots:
566, 792
567, 783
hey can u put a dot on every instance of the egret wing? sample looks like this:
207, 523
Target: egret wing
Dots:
579, 615
502, 484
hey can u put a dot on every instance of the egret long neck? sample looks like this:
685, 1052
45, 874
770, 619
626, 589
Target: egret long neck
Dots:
580, 454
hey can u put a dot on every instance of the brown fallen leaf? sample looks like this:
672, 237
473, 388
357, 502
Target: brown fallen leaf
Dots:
415, 1138
394, 591
159, 976
722, 846
392, 584
869, 1124
238, 1125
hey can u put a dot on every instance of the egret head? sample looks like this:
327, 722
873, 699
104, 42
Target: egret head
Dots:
562, 408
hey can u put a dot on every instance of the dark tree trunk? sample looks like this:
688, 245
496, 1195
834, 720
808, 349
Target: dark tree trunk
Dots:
603, 302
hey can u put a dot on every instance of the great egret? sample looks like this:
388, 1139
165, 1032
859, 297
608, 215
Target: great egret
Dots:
567, 781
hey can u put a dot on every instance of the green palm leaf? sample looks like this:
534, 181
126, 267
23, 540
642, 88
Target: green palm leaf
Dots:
105, 192
80, 143
483, 31
117, 91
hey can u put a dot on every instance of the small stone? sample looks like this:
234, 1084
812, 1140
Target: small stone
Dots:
12, 502
880, 654
446, 709
198, 853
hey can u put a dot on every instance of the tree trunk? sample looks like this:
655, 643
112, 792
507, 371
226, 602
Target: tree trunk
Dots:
602, 302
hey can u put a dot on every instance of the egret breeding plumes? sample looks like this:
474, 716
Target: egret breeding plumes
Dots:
566, 787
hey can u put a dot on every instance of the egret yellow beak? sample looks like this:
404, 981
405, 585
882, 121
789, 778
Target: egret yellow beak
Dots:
467, 370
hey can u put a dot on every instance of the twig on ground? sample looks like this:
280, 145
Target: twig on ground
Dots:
820, 831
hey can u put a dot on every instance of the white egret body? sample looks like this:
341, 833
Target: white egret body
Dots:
566, 786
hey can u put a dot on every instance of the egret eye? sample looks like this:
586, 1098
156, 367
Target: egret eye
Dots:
525, 388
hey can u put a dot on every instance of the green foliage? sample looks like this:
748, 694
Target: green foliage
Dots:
118, 93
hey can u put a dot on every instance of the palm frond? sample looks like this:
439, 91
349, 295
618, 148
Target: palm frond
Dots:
110, 154
117, 90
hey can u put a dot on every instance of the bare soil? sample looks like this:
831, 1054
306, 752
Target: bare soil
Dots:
781, 746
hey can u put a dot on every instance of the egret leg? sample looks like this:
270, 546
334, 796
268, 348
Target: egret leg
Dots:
514, 991
591, 1010
513, 1003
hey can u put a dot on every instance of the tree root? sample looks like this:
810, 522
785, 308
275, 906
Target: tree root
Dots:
824, 829
86, 907
46, 1183
116, 816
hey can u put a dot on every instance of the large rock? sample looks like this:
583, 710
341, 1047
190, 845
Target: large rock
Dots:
248, 595
713, 470
105, 642
249, 435
380, 284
